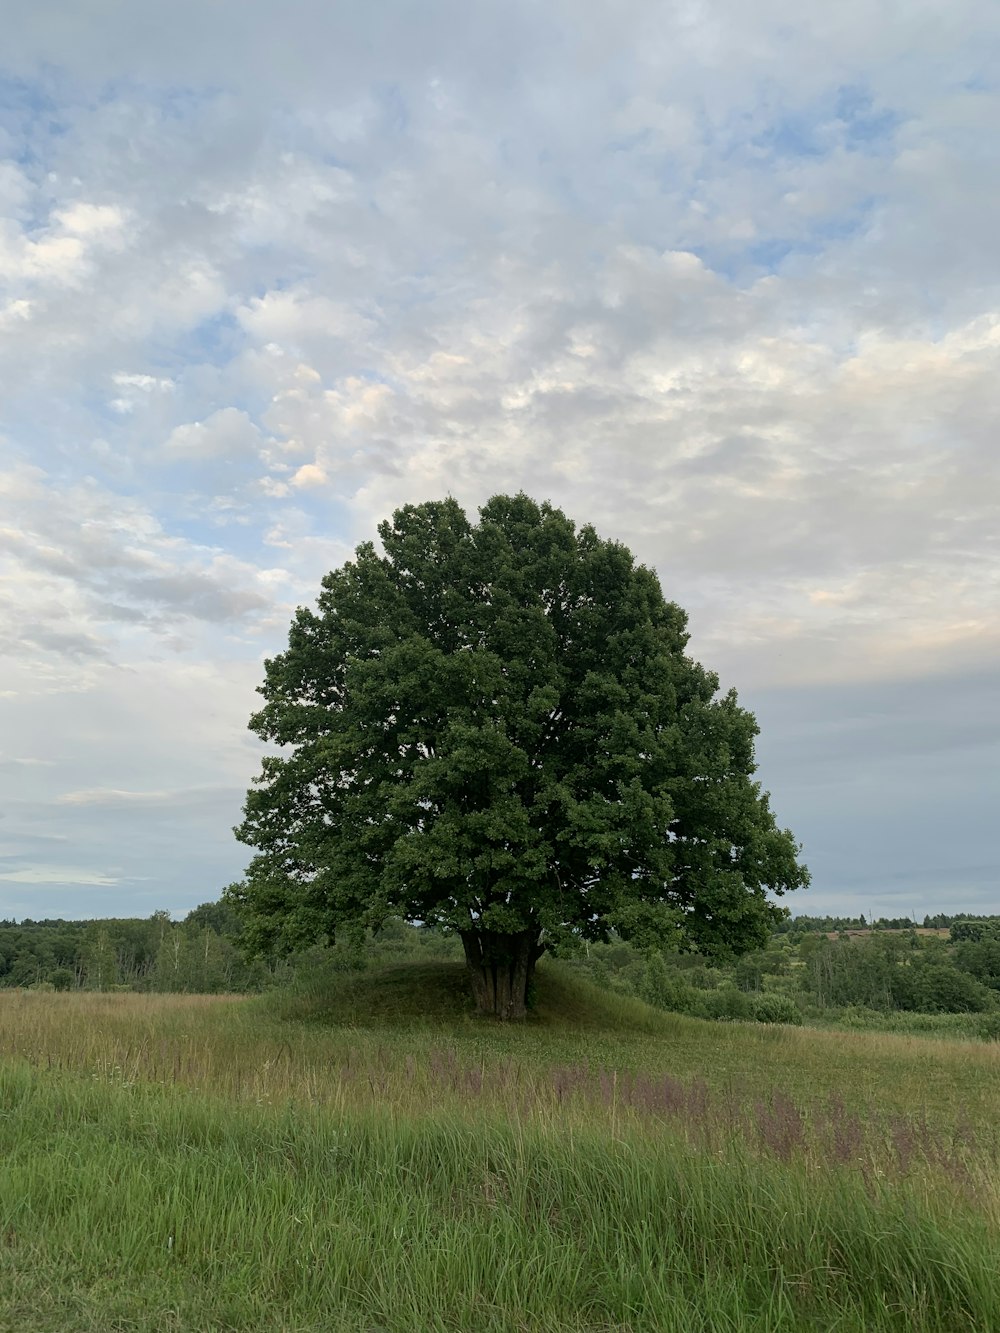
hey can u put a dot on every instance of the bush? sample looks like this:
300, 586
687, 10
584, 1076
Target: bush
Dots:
941, 988
726, 1003
661, 987
314, 971
769, 1007
988, 1026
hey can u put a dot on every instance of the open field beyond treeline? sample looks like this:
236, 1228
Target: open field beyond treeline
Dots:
368, 1156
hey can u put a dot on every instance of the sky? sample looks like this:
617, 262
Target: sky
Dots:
721, 279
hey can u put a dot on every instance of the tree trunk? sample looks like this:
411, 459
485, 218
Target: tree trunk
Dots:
501, 968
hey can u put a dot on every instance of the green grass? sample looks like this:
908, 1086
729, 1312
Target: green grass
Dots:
151, 1211
418, 1006
364, 1156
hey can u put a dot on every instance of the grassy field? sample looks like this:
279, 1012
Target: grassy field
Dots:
365, 1155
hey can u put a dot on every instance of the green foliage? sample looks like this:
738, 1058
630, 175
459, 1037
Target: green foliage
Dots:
841, 972
975, 929
726, 1003
988, 1025
684, 984
494, 729
886, 972
886, 981
220, 917
981, 959
773, 1007
939, 987
849, 979
201, 954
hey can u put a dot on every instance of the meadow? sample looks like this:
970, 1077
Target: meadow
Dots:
364, 1154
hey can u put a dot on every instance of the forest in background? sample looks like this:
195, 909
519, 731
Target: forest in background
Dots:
941, 975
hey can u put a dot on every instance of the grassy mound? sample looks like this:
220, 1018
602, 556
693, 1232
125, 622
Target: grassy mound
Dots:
400, 994
417, 994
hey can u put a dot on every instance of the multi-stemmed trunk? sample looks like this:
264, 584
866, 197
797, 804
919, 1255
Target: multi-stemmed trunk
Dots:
501, 968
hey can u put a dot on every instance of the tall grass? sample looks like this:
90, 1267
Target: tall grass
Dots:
355, 1158
151, 1211
376, 1036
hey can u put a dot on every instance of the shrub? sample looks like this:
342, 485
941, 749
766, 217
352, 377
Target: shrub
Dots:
728, 1003
988, 1026
769, 1007
941, 988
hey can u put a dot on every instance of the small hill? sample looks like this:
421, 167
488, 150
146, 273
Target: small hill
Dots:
436, 993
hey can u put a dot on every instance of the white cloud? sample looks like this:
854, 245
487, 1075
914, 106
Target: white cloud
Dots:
65, 250
723, 281
286, 317
58, 875
146, 383
106, 221
54, 259
228, 433
14, 313
89, 571
109, 796
309, 475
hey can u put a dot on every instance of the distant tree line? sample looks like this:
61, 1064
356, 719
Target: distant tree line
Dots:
199, 954
829, 924
815, 972
203, 954
811, 970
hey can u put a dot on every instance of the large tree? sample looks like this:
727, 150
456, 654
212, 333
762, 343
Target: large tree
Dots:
494, 728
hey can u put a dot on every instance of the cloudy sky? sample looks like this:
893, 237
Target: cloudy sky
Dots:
721, 279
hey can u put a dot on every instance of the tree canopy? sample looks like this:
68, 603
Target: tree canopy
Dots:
494, 728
